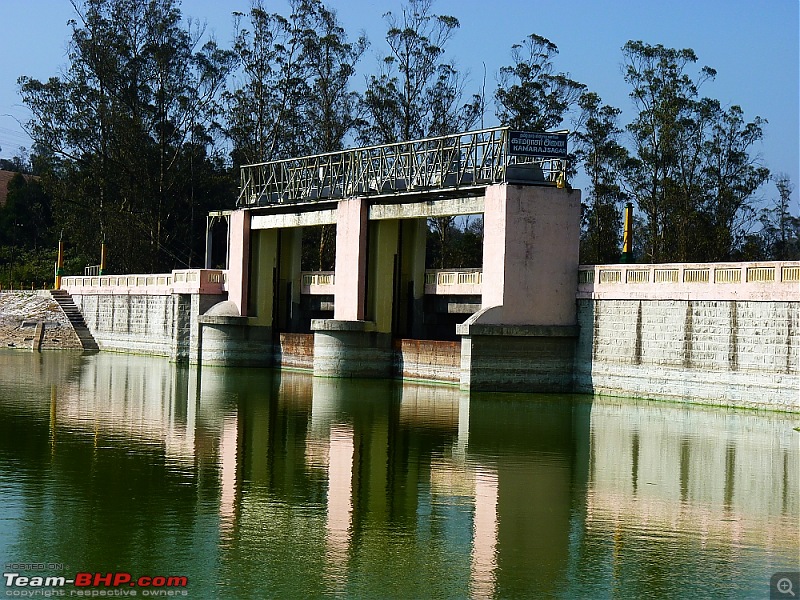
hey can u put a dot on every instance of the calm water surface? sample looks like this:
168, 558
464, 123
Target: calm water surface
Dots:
266, 484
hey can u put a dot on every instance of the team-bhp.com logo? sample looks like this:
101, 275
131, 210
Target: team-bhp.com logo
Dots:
94, 585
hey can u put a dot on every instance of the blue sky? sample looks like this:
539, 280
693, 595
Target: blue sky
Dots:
752, 44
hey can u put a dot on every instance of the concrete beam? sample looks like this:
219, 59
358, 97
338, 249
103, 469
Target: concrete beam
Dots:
439, 207
300, 218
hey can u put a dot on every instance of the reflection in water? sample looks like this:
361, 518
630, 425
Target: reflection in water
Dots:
340, 504
256, 483
484, 538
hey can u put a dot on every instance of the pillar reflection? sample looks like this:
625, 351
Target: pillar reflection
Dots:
484, 539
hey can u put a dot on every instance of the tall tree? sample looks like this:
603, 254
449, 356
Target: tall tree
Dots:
694, 174
417, 94
128, 126
530, 95
604, 160
663, 94
780, 229
331, 108
262, 114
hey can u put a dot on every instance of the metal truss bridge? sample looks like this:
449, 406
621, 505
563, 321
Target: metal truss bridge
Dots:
464, 160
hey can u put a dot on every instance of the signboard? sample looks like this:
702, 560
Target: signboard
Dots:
537, 144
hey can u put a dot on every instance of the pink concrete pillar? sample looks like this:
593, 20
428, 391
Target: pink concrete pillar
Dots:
530, 254
351, 260
239, 266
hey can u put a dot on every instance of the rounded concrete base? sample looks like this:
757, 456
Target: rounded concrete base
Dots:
230, 342
352, 354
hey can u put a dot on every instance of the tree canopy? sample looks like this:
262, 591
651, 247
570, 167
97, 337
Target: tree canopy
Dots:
143, 132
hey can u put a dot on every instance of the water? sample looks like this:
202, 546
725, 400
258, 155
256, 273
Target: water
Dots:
266, 484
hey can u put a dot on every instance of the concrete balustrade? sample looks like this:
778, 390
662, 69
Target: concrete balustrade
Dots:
437, 282
756, 281
319, 283
453, 282
184, 281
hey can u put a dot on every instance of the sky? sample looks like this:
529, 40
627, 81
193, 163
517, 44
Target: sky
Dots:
752, 44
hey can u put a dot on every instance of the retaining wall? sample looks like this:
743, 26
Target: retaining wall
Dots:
160, 325
295, 351
733, 353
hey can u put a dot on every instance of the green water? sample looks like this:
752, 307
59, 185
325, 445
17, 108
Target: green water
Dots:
266, 484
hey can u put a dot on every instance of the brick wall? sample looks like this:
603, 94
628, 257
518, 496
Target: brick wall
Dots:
295, 350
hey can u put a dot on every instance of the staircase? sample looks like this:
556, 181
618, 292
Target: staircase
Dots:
75, 318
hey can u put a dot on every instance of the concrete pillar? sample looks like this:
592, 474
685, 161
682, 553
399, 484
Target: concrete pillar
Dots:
350, 344
209, 241
523, 338
239, 253
351, 260
530, 253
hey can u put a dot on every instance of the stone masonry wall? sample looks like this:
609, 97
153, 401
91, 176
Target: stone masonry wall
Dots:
160, 325
735, 353
427, 360
140, 324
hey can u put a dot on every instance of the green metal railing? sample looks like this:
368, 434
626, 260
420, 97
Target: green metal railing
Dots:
470, 159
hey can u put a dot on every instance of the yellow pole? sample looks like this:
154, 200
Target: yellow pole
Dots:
103, 257
60, 261
627, 236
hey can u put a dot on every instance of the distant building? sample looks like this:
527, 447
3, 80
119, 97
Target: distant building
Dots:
5, 179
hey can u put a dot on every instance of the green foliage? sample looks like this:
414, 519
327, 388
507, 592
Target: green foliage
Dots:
295, 99
417, 94
779, 238
530, 96
26, 220
127, 131
455, 245
604, 160
693, 175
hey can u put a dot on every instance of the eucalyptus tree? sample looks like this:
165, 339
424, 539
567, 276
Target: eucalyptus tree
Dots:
604, 160
694, 172
262, 112
331, 110
417, 93
128, 127
780, 230
530, 95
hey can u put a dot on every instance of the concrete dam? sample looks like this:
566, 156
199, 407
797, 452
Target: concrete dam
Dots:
530, 319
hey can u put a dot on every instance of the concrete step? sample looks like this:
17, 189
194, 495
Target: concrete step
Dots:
75, 318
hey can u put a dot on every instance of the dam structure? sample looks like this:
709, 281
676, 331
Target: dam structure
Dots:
530, 318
